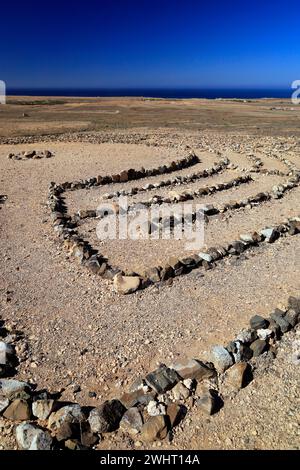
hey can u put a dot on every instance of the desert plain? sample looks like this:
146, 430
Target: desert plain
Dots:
75, 334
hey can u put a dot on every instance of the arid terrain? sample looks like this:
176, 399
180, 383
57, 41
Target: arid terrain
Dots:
82, 338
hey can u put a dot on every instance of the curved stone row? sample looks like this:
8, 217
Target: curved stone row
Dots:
30, 155
155, 404
173, 198
217, 167
131, 174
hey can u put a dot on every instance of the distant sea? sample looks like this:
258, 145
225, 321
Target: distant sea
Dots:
173, 93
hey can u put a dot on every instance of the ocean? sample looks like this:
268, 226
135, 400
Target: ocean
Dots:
174, 93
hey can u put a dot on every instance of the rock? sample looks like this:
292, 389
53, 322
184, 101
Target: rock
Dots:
162, 379
278, 317
47, 153
207, 403
180, 392
294, 303
258, 347
106, 417
221, 358
270, 234
61, 420
258, 322
236, 375
137, 397
154, 408
4, 402
188, 383
31, 437
18, 410
126, 284
246, 336
205, 256
152, 274
240, 351
87, 438
42, 408
10, 388
193, 369
30, 154
264, 333
292, 317
175, 413
123, 176
132, 421
166, 273
154, 429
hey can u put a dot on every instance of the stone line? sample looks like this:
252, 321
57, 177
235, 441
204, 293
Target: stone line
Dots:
155, 404
30, 155
131, 174
217, 167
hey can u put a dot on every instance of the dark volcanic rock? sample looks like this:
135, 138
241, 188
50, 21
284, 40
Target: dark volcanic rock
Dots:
162, 379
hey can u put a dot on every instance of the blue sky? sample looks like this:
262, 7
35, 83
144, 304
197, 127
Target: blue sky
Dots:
150, 43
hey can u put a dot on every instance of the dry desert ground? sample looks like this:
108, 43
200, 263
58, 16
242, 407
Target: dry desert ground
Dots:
76, 336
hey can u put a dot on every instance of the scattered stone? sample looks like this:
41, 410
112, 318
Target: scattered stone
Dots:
106, 417
258, 322
18, 410
258, 347
42, 408
126, 284
154, 429
31, 437
221, 358
132, 421
162, 379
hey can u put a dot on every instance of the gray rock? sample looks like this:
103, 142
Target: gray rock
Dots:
278, 317
270, 234
42, 408
154, 408
205, 256
10, 388
106, 417
162, 379
258, 347
264, 333
69, 414
292, 317
258, 322
31, 437
4, 402
132, 421
294, 303
246, 336
221, 358
207, 403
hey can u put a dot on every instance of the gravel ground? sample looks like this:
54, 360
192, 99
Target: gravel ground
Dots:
81, 332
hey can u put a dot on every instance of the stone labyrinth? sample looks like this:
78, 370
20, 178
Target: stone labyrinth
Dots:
157, 403
171, 183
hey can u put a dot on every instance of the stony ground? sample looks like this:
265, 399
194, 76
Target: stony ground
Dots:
79, 332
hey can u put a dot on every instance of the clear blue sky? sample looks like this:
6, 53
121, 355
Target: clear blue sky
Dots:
150, 43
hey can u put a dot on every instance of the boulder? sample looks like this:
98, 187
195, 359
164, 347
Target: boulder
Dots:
106, 417
207, 403
278, 317
126, 284
292, 317
294, 303
30, 437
